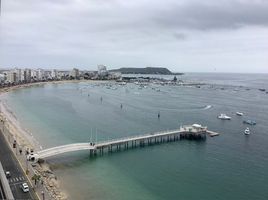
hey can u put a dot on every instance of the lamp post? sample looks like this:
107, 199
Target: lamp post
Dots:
43, 195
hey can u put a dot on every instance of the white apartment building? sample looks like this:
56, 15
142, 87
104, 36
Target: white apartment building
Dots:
27, 75
74, 73
11, 76
102, 71
40, 74
34, 73
2, 77
54, 73
18, 74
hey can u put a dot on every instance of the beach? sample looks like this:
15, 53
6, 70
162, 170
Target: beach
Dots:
14, 131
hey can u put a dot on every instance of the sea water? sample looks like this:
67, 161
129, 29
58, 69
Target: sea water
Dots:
230, 166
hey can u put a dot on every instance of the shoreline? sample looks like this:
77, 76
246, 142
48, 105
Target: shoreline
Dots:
25, 141
26, 85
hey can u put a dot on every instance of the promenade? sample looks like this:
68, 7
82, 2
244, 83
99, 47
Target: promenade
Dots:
20, 169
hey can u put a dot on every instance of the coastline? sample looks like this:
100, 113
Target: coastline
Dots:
25, 141
15, 87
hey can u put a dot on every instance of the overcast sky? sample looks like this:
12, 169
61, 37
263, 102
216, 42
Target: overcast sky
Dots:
182, 35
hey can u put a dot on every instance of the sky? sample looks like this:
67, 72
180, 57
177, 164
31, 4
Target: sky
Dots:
182, 35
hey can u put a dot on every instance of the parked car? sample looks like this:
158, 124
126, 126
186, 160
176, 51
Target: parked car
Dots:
25, 187
8, 175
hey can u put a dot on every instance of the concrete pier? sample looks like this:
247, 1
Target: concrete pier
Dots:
189, 132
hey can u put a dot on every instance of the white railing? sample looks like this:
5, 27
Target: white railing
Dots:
155, 134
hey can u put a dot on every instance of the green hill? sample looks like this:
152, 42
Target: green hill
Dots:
147, 70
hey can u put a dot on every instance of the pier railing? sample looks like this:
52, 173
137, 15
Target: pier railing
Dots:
137, 137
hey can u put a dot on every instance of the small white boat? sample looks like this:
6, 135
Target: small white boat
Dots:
247, 131
239, 113
224, 117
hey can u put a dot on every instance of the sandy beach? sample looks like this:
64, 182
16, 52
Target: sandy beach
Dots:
25, 140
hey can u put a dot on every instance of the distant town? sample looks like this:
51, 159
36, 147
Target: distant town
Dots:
19, 76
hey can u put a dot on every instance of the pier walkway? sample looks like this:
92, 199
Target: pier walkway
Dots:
64, 149
192, 132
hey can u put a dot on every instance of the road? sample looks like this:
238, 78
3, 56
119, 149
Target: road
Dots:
18, 177
1, 191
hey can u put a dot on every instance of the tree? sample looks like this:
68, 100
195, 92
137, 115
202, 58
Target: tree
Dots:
36, 178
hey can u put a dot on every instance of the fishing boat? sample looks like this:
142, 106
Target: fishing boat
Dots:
247, 131
239, 114
224, 117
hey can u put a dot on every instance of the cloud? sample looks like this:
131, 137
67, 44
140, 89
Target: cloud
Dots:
120, 32
215, 16
180, 36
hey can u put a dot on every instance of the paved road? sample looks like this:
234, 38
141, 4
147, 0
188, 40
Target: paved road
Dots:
1, 191
10, 163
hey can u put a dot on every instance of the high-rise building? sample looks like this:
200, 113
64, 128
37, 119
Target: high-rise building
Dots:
102, 71
18, 74
40, 75
28, 75
34, 74
23, 75
11, 76
74, 73
54, 73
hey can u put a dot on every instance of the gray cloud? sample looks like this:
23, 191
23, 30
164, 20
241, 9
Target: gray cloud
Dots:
132, 33
180, 36
204, 16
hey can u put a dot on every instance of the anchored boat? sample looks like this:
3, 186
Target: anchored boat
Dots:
239, 113
224, 117
250, 122
247, 131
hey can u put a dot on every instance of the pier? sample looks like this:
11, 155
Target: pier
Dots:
190, 132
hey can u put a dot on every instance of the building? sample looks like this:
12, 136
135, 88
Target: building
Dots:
40, 75
11, 77
27, 75
115, 75
74, 73
2, 78
102, 71
54, 74
18, 74
34, 74
63, 74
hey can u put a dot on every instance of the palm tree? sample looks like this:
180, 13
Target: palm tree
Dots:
36, 178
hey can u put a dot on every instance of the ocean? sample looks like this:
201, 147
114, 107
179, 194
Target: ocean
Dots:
230, 166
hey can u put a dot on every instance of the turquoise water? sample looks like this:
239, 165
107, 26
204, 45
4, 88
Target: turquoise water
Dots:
231, 166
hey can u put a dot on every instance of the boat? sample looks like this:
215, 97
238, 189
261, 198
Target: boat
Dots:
250, 122
247, 131
224, 117
239, 114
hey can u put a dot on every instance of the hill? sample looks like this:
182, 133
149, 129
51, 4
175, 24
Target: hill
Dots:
146, 70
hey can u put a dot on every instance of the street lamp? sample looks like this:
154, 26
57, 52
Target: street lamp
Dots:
43, 195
